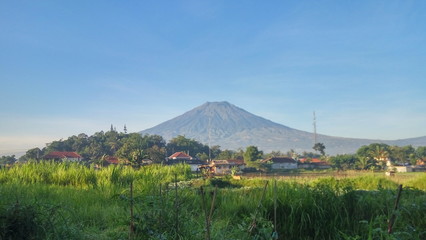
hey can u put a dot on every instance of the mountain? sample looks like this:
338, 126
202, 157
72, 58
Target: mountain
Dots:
226, 125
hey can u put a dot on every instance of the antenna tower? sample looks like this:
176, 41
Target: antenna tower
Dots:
210, 157
315, 129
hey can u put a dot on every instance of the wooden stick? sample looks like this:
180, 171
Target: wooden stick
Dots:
131, 228
177, 209
253, 224
212, 205
393, 217
275, 233
203, 195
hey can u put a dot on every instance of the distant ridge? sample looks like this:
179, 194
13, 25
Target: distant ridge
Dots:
232, 127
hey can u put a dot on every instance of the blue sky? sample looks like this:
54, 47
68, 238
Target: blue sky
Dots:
68, 67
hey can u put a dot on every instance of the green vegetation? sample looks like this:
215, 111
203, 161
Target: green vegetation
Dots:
133, 148
50, 200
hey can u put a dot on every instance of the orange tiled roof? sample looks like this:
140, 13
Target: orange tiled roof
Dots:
179, 155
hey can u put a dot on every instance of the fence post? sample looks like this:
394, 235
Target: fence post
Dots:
131, 227
393, 217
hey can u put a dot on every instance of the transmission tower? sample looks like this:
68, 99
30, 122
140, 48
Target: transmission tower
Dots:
315, 129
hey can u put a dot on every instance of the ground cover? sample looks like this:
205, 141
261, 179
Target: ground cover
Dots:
69, 201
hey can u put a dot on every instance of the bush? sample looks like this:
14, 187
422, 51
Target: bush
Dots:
31, 221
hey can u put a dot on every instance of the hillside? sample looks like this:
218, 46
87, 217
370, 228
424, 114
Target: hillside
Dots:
226, 125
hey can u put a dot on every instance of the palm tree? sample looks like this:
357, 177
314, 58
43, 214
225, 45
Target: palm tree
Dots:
364, 162
380, 154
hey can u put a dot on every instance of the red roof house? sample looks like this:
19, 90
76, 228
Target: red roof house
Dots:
180, 156
313, 163
64, 156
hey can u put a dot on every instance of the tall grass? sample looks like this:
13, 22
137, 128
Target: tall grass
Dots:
94, 204
77, 175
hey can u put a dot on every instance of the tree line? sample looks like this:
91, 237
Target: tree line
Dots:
376, 156
134, 147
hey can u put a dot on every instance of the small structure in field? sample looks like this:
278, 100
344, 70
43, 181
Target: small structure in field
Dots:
63, 156
281, 162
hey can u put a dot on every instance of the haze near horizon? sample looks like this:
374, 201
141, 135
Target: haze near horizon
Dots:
78, 67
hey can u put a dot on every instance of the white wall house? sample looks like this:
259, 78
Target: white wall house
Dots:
282, 162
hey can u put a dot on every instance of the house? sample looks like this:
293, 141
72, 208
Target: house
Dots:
226, 166
64, 156
181, 157
402, 168
281, 162
313, 163
112, 160
421, 162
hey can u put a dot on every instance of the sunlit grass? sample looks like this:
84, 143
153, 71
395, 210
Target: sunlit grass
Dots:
94, 204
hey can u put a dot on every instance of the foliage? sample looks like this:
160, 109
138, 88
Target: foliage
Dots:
319, 147
97, 207
6, 160
252, 154
35, 221
183, 144
133, 147
344, 162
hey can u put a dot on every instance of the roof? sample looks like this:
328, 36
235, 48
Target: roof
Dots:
236, 162
112, 160
179, 155
54, 155
280, 160
228, 162
314, 161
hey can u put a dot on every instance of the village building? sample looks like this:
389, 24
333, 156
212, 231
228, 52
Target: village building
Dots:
313, 163
181, 157
64, 156
281, 163
222, 167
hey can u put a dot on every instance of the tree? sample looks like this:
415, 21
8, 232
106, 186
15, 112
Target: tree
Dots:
377, 153
183, 144
364, 163
6, 160
34, 153
214, 151
252, 154
225, 154
380, 154
344, 162
156, 154
319, 147
421, 153
275, 154
402, 155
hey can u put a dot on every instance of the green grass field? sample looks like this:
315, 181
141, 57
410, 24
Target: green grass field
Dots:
70, 201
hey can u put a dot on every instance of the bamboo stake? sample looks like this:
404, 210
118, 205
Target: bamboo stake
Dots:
212, 205
131, 228
177, 209
203, 195
275, 233
253, 224
393, 217
161, 205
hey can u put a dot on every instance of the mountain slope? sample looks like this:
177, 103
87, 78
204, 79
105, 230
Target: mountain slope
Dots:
224, 124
